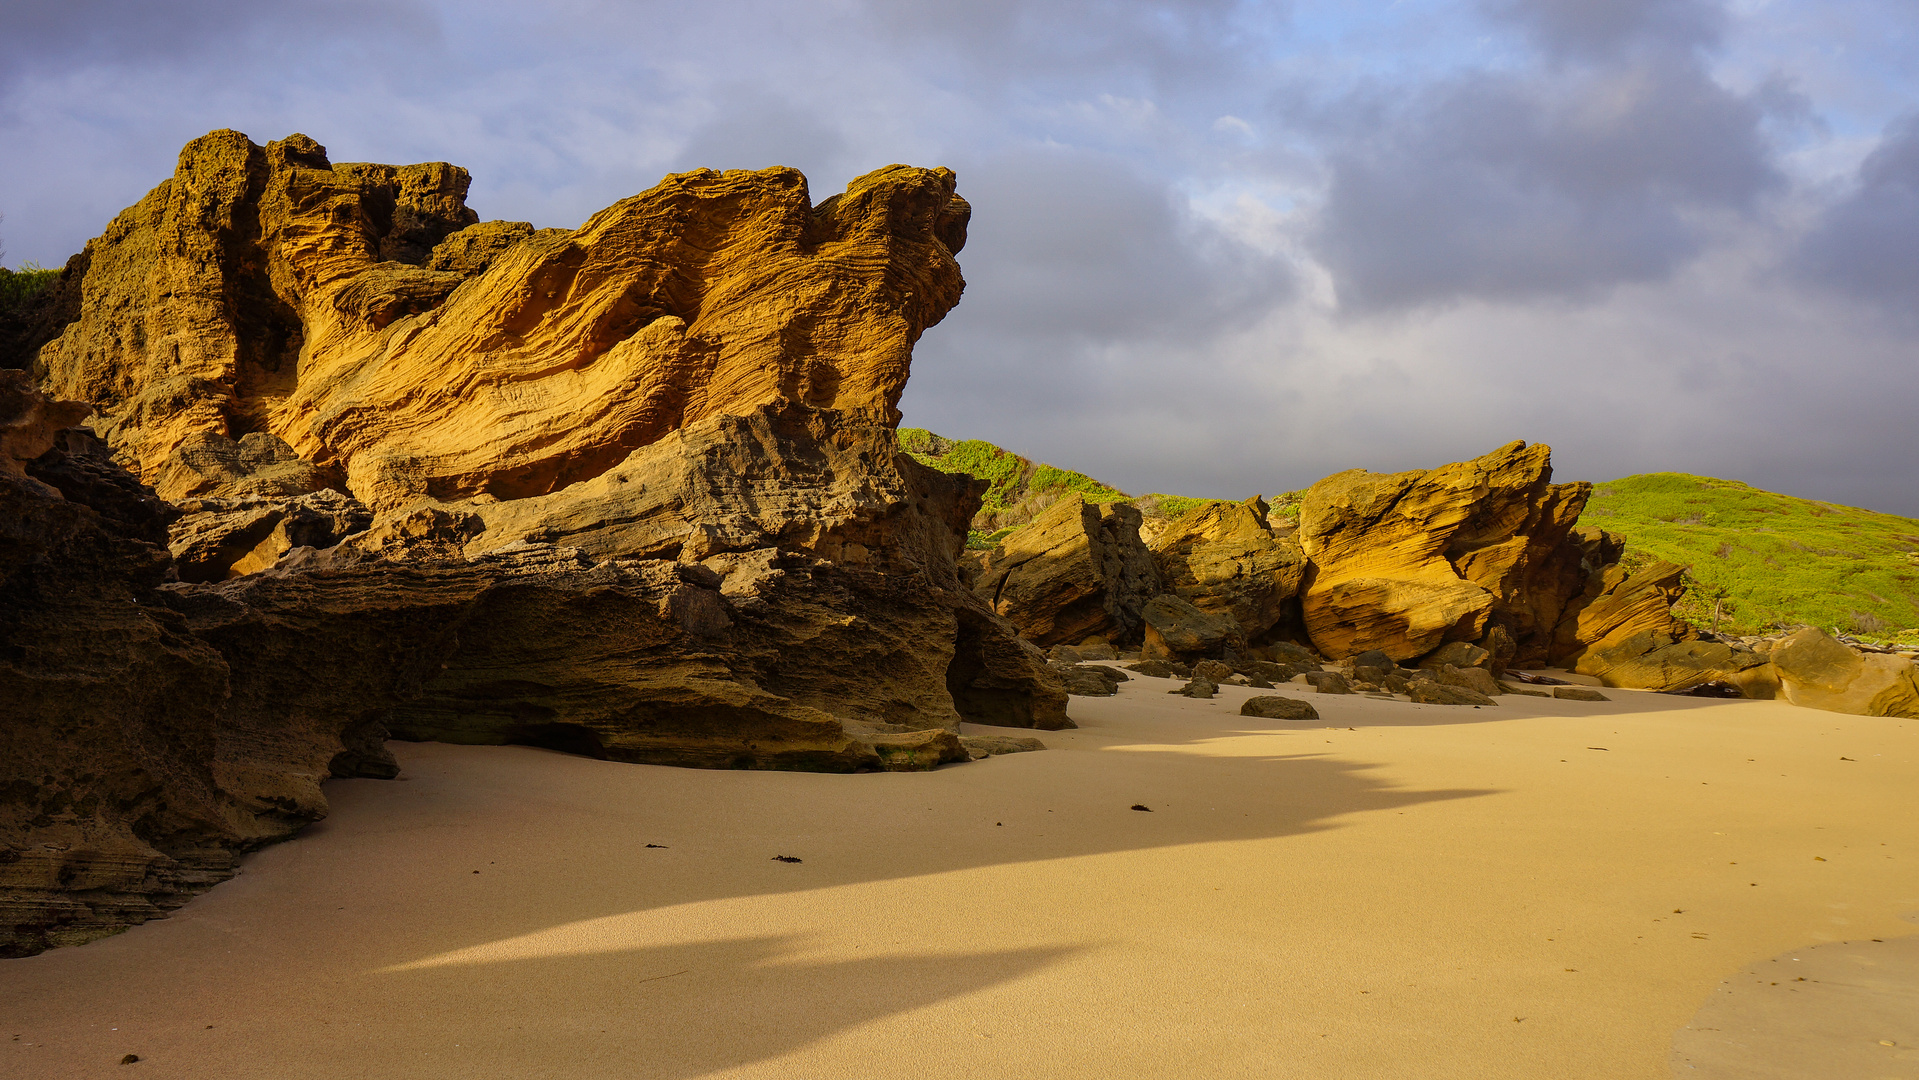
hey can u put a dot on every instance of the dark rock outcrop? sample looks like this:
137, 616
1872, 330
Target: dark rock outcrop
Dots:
1078, 571
1224, 559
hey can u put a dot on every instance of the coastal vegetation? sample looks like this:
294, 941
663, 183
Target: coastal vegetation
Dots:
1760, 560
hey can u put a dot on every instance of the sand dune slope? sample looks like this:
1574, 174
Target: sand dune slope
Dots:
1540, 889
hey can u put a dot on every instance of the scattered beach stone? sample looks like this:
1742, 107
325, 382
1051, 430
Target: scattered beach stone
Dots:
1091, 680
1472, 678
786, 858
1299, 656
1328, 682
129, 1059
1427, 692
981, 746
1094, 648
1460, 654
1276, 707
1712, 688
1578, 693
1372, 673
1506, 688
1534, 679
1257, 683
1198, 688
1374, 658
1213, 671
1270, 671
1155, 669
1142, 806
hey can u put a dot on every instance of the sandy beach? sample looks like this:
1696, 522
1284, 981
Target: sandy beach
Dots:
1539, 889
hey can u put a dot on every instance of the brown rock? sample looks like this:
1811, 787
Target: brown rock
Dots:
1223, 558
1430, 692
1328, 682
1406, 562
1090, 680
1197, 688
1472, 678
1176, 629
1155, 669
29, 425
350, 311
1078, 569
1622, 630
982, 746
1213, 671
136, 778
222, 538
1816, 671
1275, 707
1578, 693
1456, 654
1522, 691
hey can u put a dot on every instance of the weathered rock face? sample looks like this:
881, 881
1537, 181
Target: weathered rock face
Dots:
180, 725
1406, 562
1813, 670
1223, 559
1078, 571
1178, 631
359, 314
476, 483
131, 779
1622, 630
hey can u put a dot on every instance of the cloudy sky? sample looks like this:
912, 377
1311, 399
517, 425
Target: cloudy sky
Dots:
1217, 248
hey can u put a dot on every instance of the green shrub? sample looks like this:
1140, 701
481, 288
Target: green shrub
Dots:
18, 287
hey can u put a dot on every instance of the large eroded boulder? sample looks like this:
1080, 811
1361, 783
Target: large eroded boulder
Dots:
1816, 671
1224, 559
1405, 562
1622, 630
1077, 571
362, 316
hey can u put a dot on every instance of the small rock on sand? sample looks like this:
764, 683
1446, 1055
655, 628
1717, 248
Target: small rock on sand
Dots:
1275, 707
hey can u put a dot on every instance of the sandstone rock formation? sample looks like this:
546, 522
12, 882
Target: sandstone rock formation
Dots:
1223, 559
1406, 562
1813, 670
1078, 571
1178, 631
1621, 629
631, 491
132, 779
361, 315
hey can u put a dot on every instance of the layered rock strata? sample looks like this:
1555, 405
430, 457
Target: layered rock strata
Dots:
1077, 571
630, 491
1224, 559
1406, 562
361, 315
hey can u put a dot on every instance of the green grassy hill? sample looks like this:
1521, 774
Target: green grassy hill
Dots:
1769, 560
1021, 487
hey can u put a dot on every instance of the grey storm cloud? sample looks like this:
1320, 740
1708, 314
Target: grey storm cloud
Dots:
1867, 244
1553, 181
1218, 246
1590, 28
60, 35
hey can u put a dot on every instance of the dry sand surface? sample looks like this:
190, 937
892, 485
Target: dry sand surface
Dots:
1542, 889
